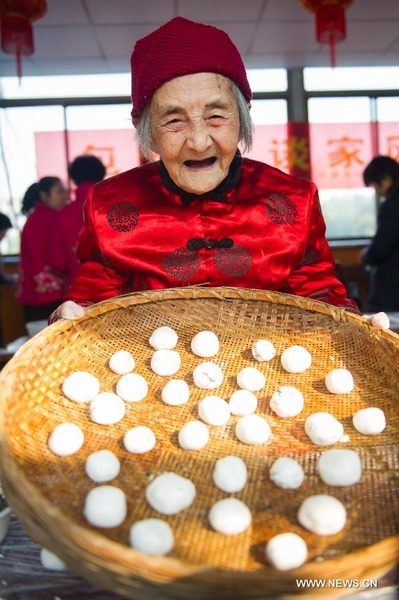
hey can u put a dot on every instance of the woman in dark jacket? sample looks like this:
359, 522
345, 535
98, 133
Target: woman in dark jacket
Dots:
382, 256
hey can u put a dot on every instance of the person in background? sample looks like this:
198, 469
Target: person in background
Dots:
40, 290
5, 278
202, 214
382, 256
85, 171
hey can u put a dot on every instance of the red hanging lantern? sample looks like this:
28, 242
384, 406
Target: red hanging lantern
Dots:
330, 21
16, 18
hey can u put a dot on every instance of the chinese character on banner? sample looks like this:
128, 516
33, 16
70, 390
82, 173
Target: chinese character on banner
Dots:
291, 155
117, 149
340, 152
345, 152
279, 153
393, 146
270, 146
298, 149
388, 139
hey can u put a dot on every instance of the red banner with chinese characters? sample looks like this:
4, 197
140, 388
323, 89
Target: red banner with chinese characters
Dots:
332, 155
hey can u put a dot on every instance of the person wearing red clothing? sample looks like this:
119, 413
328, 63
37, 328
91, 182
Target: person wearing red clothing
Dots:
85, 171
202, 214
40, 289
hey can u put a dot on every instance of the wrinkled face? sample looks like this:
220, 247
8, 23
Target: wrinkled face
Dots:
195, 129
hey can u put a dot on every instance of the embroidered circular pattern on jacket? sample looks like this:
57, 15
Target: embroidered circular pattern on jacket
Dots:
181, 264
280, 209
123, 216
310, 256
233, 261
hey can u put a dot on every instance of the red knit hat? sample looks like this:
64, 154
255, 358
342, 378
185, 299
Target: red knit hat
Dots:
182, 47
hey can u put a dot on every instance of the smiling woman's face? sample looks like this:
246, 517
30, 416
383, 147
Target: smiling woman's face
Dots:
195, 129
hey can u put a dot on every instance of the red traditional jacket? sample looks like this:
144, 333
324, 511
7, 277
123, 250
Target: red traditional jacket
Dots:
38, 284
261, 228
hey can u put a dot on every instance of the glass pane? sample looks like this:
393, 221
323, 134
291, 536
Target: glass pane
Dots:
388, 127
349, 213
351, 78
267, 80
339, 110
19, 168
67, 86
270, 134
388, 109
269, 112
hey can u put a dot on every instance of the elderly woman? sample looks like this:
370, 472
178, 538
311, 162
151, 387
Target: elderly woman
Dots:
202, 214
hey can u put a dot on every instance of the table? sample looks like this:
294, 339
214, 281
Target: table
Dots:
22, 576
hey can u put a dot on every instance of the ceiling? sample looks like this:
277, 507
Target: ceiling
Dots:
97, 36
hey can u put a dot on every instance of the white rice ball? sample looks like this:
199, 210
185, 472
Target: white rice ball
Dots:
139, 439
121, 362
207, 376
176, 392
170, 493
340, 467
163, 338
107, 408
287, 401
230, 516
165, 362
286, 551
152, 536
194, 435
253, 430
102, 466
132, 387
251, 379
370, 420
65, 439
287, 473
81, 386
51, 561
296, 359
205, 344
230, 474
243, 402
323, 429
322, 514
214, 410
105, 506
339, 381
263, 350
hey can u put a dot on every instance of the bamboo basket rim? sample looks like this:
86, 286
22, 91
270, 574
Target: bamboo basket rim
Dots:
127, 561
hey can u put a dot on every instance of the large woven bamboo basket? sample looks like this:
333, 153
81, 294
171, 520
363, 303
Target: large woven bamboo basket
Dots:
47, 492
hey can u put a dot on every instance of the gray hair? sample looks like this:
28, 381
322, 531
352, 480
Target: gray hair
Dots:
144, 135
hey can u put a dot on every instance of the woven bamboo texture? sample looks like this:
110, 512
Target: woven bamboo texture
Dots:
47, 492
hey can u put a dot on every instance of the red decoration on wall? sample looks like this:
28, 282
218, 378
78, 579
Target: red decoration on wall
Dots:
330, 21
16, 18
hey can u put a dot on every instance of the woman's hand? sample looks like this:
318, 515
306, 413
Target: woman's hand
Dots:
67, 310
379, 320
